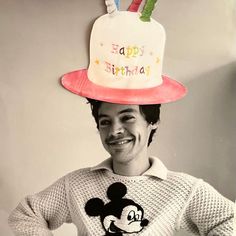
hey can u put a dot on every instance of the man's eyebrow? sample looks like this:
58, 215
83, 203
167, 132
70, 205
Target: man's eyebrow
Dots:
127, 110
102, 116
120, 112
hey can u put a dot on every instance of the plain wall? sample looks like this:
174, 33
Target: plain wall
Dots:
46, 132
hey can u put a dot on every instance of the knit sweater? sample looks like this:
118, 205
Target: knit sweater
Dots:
99, 202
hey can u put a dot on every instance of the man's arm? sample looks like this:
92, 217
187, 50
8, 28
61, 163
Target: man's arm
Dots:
36, 215
208, 213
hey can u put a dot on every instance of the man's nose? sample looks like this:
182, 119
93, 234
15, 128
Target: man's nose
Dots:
116, 129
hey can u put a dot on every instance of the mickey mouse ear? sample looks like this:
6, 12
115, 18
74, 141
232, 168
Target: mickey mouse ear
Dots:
94, 207
116, 191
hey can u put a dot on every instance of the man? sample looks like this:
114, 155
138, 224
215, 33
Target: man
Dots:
160, 202
130, 193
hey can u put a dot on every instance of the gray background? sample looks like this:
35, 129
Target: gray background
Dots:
46, 132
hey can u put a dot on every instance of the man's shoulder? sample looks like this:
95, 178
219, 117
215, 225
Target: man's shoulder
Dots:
182, 180
83, 174
78, 173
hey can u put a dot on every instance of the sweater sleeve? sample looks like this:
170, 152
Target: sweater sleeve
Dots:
37, 214
208, 213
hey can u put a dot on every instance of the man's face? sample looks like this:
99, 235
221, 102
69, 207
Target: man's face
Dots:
123, 130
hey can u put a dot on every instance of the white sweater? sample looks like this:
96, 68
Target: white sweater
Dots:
160, 202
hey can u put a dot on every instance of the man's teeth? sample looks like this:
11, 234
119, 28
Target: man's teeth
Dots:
120, 142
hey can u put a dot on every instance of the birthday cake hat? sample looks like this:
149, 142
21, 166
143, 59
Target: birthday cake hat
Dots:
126, 57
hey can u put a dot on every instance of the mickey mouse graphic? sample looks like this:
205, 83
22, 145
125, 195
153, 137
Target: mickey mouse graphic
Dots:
120, 215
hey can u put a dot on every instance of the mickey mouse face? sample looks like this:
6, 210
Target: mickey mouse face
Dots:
120, 215
130, 221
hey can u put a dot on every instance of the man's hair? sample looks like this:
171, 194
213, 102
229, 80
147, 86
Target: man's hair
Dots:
151, 113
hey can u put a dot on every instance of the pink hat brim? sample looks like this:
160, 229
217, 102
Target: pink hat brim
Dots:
77, 82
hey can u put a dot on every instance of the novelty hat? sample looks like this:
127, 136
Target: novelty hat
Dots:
126, 57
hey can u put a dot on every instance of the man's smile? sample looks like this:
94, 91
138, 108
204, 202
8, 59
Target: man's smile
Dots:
119, 142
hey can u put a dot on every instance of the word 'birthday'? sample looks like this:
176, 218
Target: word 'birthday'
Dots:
127, 70
128, 52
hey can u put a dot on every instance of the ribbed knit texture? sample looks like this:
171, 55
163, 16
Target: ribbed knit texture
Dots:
179, 202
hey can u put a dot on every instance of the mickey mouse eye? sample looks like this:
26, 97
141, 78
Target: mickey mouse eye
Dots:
131, 215
138, 216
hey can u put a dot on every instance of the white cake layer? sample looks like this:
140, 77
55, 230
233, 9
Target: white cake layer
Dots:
126, 52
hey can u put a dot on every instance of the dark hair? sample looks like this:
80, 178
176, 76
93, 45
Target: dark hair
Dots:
151, 113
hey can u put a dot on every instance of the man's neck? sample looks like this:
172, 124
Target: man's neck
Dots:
135, 167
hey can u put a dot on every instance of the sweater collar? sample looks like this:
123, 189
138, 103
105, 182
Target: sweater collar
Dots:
157, 168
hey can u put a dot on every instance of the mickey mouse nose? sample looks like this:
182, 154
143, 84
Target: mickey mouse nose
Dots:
144, 222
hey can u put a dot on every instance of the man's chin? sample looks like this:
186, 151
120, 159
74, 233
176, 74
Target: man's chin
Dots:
121, 157
119, 153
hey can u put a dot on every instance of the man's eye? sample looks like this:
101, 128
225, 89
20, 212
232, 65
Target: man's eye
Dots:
128, 118
104, 122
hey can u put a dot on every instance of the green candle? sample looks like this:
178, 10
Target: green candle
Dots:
147, 11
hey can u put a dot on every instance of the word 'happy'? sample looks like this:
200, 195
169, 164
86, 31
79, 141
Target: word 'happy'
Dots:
127, 70
128, 52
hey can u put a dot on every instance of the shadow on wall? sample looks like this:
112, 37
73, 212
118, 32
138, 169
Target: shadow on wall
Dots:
214, 116
201, 139
4, 229
5, 152
6, 193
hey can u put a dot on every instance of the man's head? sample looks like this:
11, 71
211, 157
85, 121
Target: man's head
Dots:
150, 113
